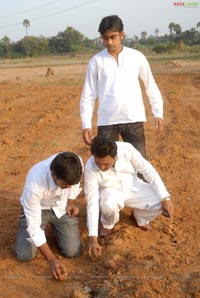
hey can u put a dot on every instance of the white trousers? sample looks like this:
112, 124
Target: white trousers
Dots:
145, 202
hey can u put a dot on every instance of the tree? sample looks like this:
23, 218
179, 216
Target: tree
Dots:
69, 40
143, 39
143, 34
171, 30
177, 29
74, 39
5, 45
198, 26
33, 46
156, 32
26, 24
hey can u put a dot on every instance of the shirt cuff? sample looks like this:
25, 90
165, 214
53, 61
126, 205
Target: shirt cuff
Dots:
86, 124
38, 239
74, 192
93, 232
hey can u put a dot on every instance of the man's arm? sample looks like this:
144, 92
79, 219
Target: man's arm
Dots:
167, 206
94, 247
87, 135
154, 179
92, 199
149, 172
57, 269
88, 97
32, 210
153, 94
159, 126
71, 209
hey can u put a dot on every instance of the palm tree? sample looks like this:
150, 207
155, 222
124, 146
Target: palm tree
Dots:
177, 29
171, 29
143, 34
198, 26
26, 23
156, 32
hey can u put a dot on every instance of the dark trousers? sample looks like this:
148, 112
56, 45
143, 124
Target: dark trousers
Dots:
130, 132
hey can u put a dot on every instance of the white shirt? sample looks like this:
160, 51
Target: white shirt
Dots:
40, 192
122, 176
118, 90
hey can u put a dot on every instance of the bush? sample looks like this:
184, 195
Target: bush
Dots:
160, 49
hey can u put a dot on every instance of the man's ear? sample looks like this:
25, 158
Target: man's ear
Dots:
53, 174
122, 34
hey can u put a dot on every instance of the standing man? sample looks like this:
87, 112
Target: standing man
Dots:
111, 183
49, 192
113, 77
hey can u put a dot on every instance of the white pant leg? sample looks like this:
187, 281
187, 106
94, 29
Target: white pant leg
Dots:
146, 204
111, 202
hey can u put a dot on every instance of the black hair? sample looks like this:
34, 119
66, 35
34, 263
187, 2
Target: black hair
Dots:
109, 23
67, 166
102, 147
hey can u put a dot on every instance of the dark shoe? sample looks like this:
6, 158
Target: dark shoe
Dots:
106, 232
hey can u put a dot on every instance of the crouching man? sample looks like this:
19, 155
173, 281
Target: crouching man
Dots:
111, 183
49, 192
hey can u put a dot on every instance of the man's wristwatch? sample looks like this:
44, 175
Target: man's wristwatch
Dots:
165, 199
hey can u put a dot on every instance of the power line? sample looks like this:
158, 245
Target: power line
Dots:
31, 9
55, 13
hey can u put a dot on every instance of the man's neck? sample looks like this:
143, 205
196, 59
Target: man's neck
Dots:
116, 53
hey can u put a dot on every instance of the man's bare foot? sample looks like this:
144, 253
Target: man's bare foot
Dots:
146, 227
106, 232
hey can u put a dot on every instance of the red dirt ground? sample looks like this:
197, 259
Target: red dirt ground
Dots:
39, 116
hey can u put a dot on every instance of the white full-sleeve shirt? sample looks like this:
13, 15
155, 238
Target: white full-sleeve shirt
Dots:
40, 192
117, 87
123, 176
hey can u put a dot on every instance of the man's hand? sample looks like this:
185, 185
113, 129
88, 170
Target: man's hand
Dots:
87, 135
94, 247
71, 209
159, 126
169, 207
57, 269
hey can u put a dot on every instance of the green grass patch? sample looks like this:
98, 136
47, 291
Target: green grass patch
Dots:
166, 57
45, 61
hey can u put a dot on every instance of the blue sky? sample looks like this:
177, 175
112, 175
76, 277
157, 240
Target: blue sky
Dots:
48, 17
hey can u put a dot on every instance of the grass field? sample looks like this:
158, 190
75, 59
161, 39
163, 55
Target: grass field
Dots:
72, 59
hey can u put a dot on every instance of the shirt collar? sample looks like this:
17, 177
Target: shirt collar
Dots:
51, 184
115, 167
120, 53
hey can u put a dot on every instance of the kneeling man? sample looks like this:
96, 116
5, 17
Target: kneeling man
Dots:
49, 192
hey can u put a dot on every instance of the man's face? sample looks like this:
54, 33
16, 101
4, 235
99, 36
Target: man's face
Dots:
61, 183
104, 163
112, 41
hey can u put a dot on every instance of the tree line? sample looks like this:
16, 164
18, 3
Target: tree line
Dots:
71, 40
